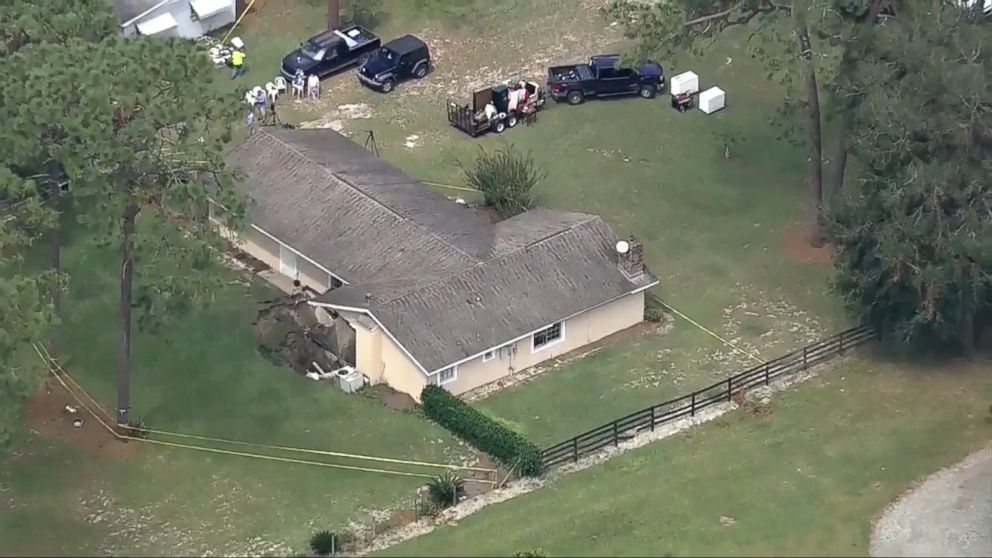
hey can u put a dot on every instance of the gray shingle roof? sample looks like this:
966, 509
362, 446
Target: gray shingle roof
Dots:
360, 218
446, 284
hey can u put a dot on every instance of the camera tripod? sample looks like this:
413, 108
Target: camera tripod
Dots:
271, 117
370, 143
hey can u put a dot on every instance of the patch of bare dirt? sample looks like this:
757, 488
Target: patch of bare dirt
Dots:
47, 416
796, 247
338, 117
466, 63
392, 399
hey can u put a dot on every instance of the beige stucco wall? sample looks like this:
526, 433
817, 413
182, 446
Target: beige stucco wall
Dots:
399, 371
580, 330
266, 250
381, 360
384, 362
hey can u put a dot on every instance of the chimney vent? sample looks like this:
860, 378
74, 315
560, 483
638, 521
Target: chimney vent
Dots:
630, 257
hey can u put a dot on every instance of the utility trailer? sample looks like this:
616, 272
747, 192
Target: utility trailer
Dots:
497, 108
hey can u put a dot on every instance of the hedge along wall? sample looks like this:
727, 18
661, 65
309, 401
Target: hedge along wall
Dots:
482, 432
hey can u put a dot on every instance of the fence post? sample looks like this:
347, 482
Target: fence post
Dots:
840, 339
692, 405
767, 373
575, 449
616, 435
652, 418
805, 358
730, 388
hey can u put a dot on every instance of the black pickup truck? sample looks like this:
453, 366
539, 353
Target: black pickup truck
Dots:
603, 77
331, 51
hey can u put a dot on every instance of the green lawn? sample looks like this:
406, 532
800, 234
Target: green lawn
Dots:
714, 229
201, 374
805, 480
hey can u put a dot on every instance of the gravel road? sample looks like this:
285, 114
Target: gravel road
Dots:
948, 514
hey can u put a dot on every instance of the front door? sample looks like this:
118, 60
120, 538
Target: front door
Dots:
287, 262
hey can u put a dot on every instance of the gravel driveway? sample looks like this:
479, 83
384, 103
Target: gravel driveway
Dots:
948, 514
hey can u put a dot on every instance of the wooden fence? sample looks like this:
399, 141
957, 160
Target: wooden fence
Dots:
627, 427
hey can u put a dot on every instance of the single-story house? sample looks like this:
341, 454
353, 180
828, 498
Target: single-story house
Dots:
434, 293
174, 18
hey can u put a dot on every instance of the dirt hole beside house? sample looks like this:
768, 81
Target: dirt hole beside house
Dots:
289, 334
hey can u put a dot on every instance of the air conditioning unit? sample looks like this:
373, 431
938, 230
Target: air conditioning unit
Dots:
349, 379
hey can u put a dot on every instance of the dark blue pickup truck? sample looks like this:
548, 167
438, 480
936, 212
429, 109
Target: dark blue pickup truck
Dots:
331, 51
604, 77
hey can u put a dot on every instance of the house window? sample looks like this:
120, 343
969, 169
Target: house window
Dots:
488, 355
447, 376
548, 336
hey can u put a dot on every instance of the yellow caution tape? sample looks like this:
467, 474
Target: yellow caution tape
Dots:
752, 355
62, 380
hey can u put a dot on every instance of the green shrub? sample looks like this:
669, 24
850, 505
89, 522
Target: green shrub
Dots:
654, 314
654, 309
137, 428
445, 489
425, 508
482, 432
506, 179
323, 543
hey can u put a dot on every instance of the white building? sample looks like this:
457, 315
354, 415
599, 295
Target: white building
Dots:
174, 18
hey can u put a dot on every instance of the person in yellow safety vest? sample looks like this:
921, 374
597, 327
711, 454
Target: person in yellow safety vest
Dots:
238, 63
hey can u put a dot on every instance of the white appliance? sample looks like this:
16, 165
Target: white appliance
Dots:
712, 100
350, 379
686, 82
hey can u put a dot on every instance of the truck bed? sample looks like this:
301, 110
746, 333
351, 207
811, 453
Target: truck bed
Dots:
574, 72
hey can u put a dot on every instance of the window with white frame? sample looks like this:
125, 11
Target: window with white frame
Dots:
447, 375
488, 355
548, 336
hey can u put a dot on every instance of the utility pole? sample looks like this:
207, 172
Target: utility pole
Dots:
333, 14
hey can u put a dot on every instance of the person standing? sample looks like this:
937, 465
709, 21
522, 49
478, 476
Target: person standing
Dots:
250, 120
299, 82
260, 102
313, 86
237, 63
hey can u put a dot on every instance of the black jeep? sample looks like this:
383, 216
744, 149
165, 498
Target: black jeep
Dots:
398, 59
331, 51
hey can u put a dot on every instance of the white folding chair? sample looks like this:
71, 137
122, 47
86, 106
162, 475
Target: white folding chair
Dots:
250, 97
272, 90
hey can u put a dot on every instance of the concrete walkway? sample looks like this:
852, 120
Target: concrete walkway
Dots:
948, 514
